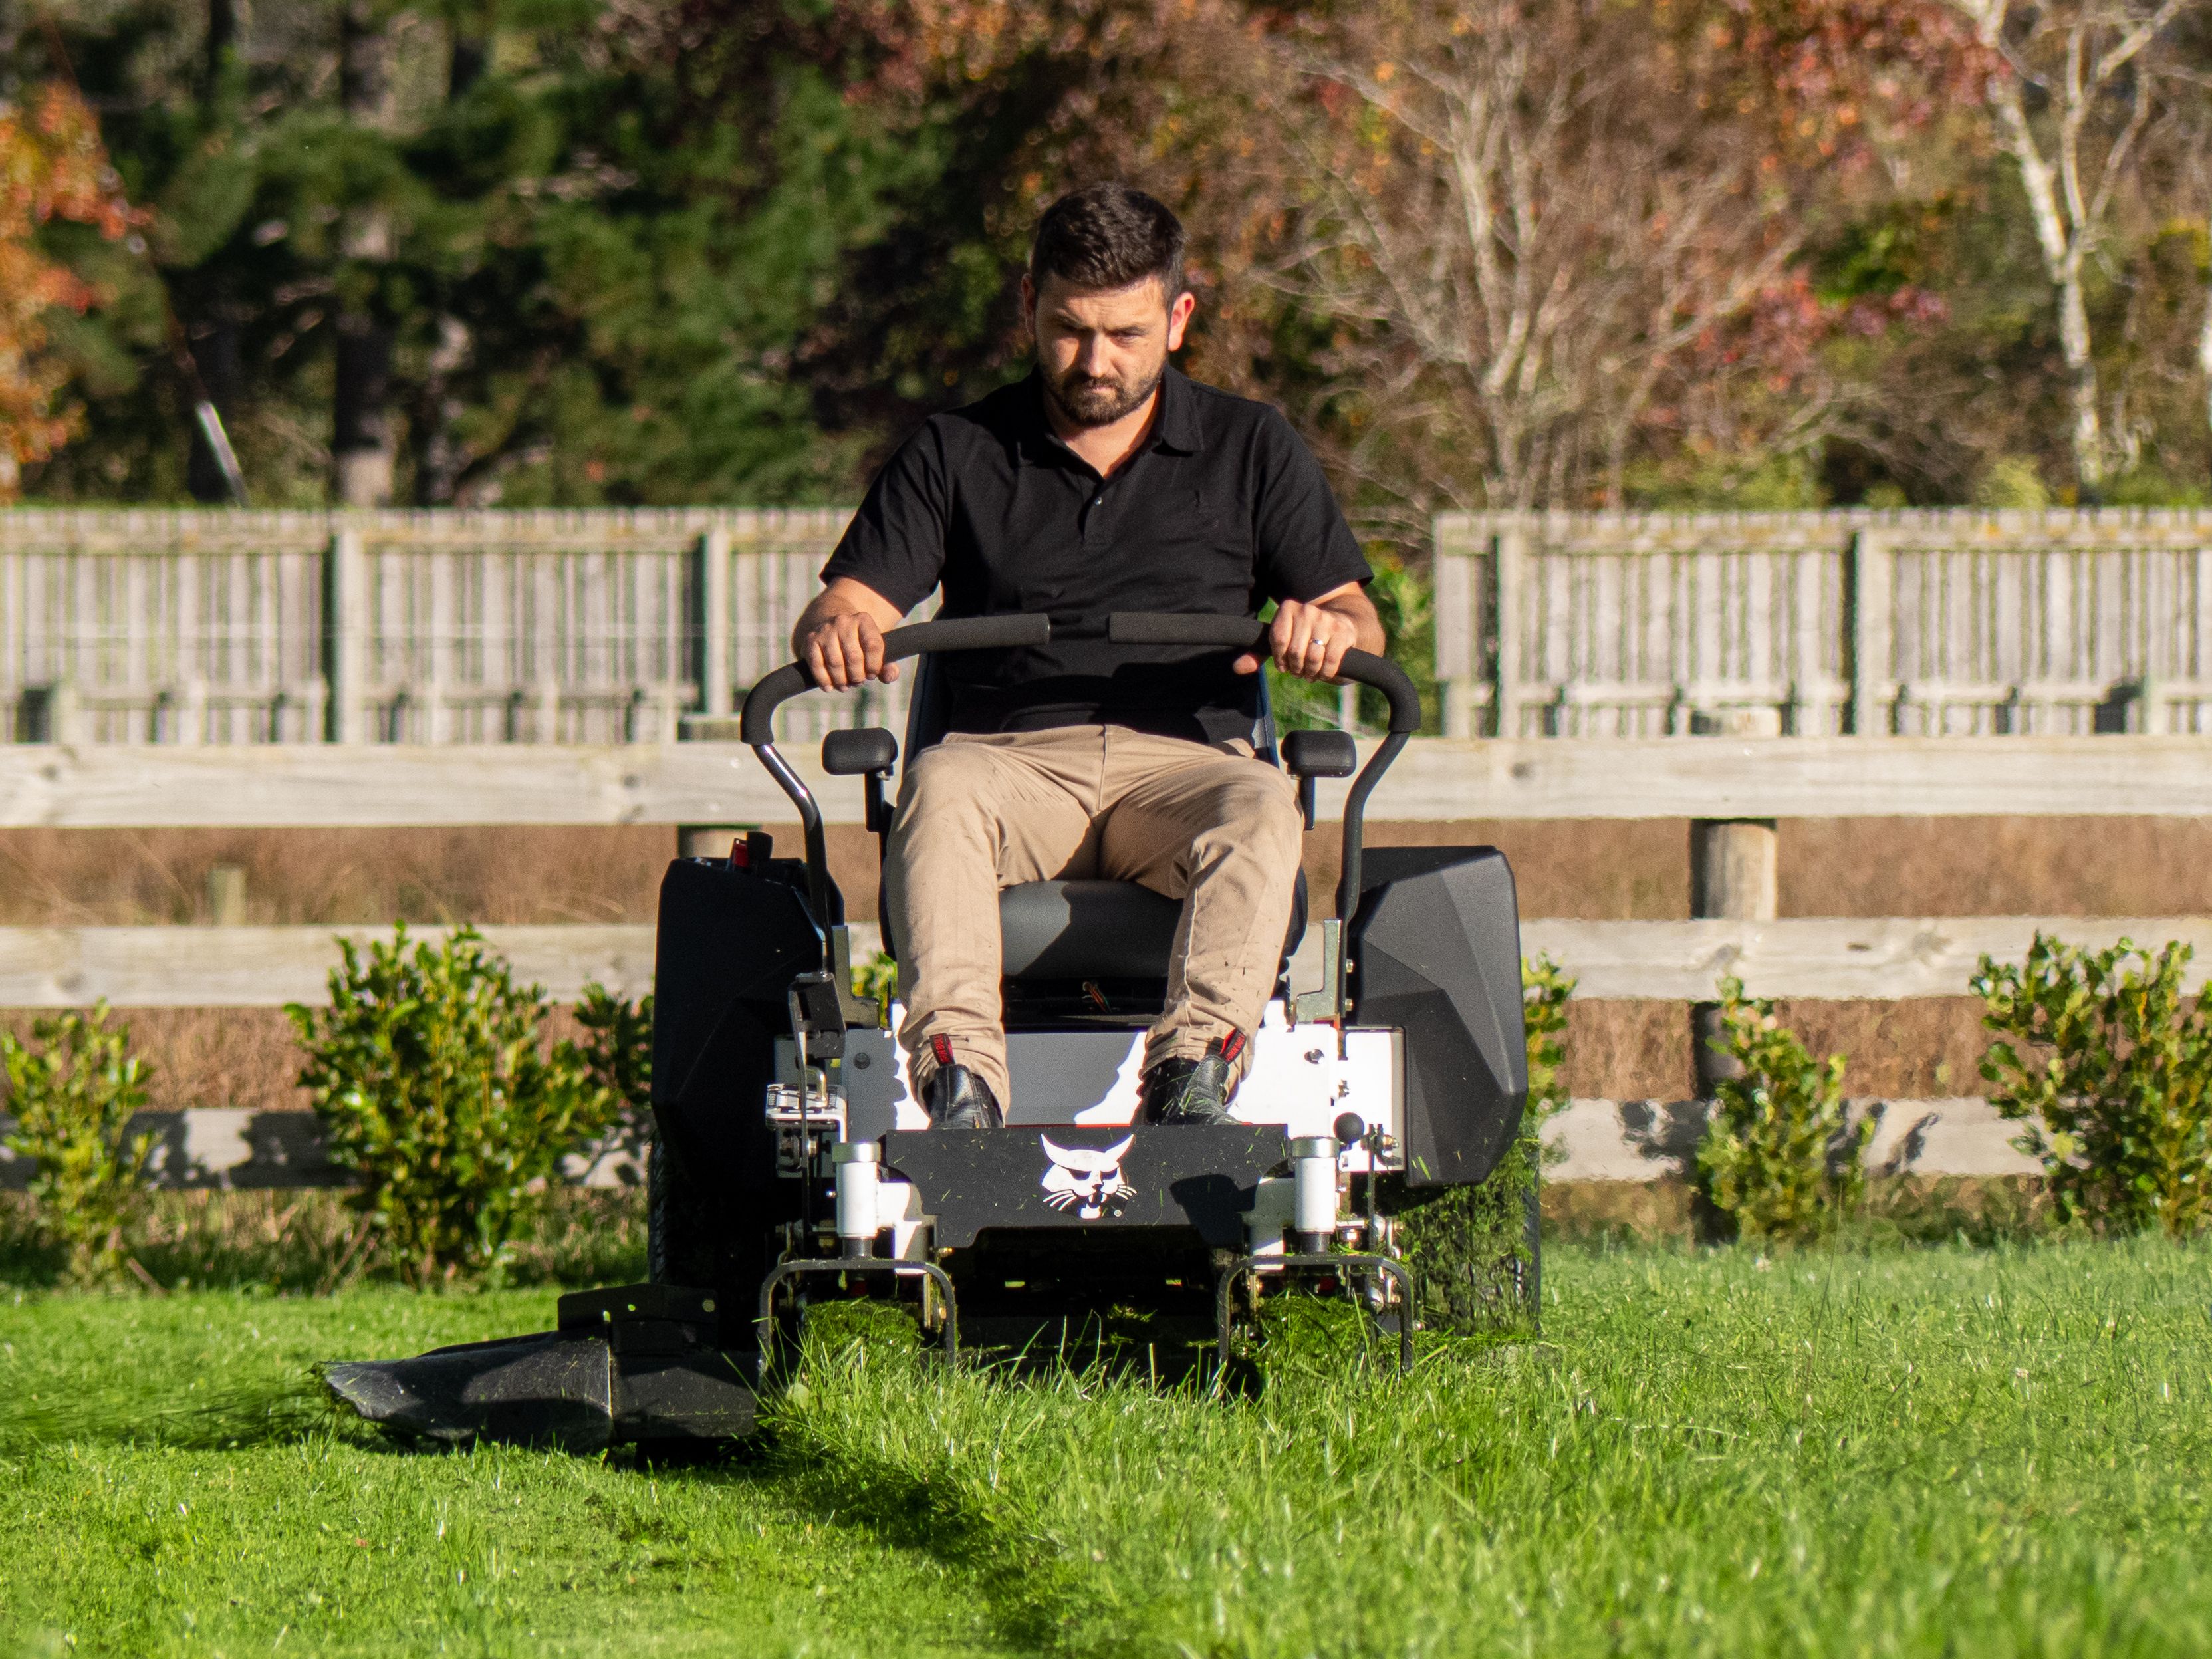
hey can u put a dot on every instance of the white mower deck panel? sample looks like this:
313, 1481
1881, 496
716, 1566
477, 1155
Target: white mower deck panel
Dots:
1087, 1079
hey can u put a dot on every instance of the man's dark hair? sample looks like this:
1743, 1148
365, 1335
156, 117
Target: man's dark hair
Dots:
1109, 236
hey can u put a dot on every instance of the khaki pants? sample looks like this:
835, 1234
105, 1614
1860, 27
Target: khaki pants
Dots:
1207, 824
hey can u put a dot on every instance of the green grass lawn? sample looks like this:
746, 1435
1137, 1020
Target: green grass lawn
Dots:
1936, 1450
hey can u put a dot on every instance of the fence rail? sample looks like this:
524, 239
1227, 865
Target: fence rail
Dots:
1820, 958
308, 786
228, 1148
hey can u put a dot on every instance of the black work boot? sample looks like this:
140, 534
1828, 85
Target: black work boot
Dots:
1191, 1091
956, 1097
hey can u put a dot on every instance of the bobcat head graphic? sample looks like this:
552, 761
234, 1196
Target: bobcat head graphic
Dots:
1087, 1180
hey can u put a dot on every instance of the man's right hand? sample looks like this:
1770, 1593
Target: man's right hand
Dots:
844, 650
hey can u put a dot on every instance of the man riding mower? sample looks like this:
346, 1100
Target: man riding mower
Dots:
1112, 1101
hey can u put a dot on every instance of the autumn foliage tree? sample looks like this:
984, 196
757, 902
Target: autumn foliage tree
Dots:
51, 167
1553, 241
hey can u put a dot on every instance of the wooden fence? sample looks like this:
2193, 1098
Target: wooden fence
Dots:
433, 627
1732, 791
1824, 623
220, 627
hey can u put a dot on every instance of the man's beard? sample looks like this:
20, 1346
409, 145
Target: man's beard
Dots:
1090, 402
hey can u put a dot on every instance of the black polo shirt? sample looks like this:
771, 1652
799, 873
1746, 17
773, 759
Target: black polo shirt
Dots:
1221, 510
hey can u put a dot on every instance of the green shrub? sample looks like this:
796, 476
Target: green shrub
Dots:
433, 1080
617, 1056
618, 1047
1545, 989
2116, 1088
1405, 603
72, 1090
1780, 1158
1470, 1244
876, 979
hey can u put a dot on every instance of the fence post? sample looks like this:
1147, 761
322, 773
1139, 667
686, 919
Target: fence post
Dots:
226, 895
2155, 720
1869, 578
710, 590
1509, 558
61, 714
1455, 635
345, 636
1734, 874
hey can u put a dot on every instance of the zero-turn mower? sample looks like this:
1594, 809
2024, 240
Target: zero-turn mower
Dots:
790, 1165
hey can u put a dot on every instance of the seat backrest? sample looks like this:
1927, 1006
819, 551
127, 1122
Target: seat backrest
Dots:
929, 712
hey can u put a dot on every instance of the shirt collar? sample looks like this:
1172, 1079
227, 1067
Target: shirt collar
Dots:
1179, 428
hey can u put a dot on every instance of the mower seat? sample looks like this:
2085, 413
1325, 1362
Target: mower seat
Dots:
1099, 930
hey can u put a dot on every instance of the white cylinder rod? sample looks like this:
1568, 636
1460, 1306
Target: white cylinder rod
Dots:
1313, 1159
858, 1164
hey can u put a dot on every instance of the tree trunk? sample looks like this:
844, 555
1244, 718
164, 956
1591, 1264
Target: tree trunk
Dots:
361, 440
439, 457
2204, 353
215, 343
2088, 435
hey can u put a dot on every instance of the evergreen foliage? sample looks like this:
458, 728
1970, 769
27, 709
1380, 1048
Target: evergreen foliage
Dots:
1780, 1157
434, 1084
2107, 1062
72, 1090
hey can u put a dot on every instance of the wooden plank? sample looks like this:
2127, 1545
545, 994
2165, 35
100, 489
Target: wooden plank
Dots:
1827, 958
1821, 958
269, 966
1650, 1139
372, 785
1796, 777
1639, 1140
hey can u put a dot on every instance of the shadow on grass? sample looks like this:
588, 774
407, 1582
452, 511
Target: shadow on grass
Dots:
1039, 1589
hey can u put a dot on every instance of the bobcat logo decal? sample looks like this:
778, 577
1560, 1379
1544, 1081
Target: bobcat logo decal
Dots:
1087, 1180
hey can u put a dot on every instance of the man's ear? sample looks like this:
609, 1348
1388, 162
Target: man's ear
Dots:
1029, 305
1179, 317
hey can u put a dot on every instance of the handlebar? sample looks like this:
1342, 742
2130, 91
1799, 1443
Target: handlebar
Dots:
1241, 633
756, 725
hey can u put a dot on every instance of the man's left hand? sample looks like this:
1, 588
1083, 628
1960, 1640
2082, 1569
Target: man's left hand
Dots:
1307, 639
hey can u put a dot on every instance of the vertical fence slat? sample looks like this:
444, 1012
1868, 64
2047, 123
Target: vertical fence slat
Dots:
1509, 559
1453, 607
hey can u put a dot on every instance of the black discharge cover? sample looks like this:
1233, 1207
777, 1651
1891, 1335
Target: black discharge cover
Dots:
730, 943
1436, 951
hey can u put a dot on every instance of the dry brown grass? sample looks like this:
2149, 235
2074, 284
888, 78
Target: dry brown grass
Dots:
1640, 1051
1587, 870
239, 1057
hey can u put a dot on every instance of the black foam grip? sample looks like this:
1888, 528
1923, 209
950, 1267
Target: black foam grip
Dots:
1392, 681
756, 724
1145, 628
1125, 628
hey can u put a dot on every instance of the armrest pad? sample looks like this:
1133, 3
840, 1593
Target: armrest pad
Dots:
1320, 754
858, 750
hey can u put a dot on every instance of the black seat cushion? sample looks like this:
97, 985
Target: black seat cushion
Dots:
1099, 930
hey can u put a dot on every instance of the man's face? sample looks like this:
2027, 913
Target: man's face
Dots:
1102, 351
